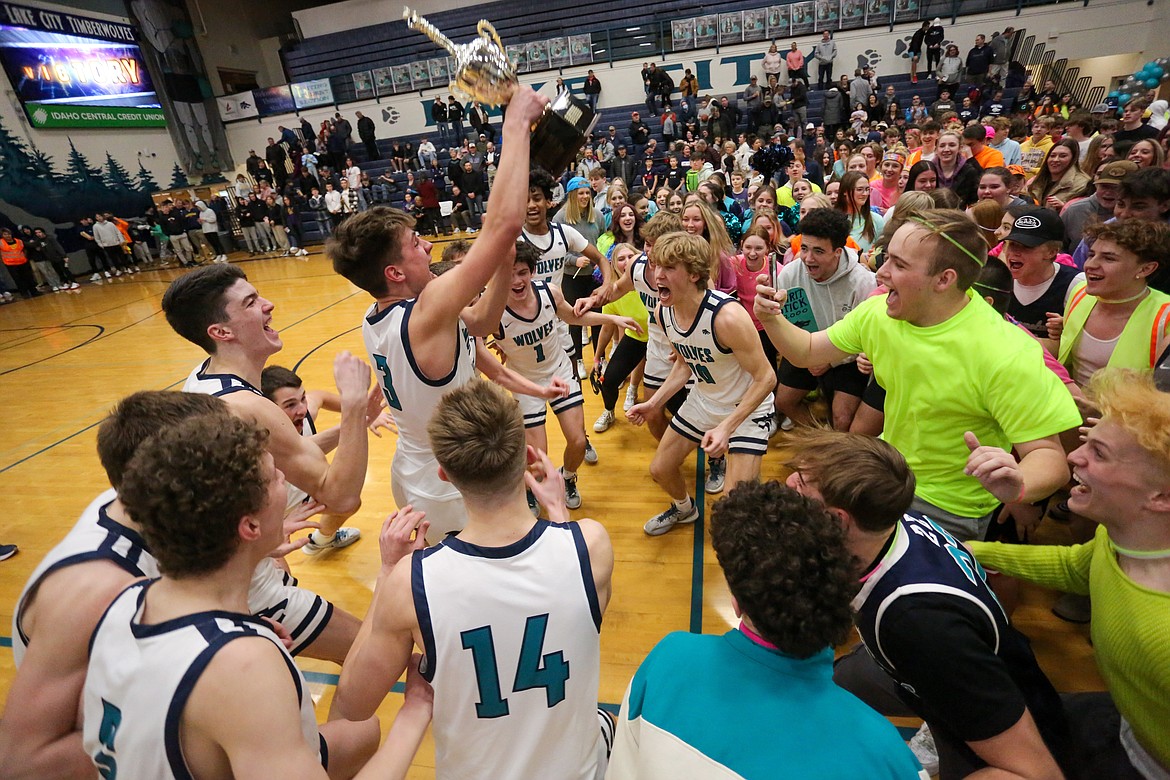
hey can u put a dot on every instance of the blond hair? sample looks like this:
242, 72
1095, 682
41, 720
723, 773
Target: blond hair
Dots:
958, 245
1130, 400
477, 435
660, 224
693, 253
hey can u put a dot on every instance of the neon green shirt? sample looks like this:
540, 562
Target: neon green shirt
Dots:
975, 372
1130, 625
630, 305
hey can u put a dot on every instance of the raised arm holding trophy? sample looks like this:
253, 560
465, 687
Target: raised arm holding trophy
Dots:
484, 73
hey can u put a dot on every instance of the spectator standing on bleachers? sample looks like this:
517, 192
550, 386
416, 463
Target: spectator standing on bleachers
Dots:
252, 163
825, 52
367, 132
320, 212
455, 118
772, 63
477, 117
275, 155
343, 130
307, 133
474, 187
794, 58
639, 132
689, 86
834, 111
935, 34
753, 101
592, 90
950, 71
605, 151
1001, 51
979, 61
334, 206
439, 117
428, 201
624, 166
335, 147
859, 89
647, 73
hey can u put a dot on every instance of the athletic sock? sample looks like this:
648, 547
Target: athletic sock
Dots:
319, 538
685, 505
568, 475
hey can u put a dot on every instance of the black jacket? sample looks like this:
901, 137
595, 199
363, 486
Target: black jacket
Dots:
366, 129
592, 86
439, 111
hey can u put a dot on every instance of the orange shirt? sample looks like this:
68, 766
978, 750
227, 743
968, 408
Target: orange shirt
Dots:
989, 158
13, 253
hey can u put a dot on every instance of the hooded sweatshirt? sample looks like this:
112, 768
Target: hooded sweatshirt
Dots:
851, 284
209, 219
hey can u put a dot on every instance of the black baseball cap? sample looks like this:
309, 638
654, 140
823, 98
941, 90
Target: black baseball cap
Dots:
1036, 227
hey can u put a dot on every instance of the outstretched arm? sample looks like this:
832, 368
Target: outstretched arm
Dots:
798, 346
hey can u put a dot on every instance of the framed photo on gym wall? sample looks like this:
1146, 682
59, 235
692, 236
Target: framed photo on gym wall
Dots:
905, 10
778, 22
401, 76
384, 80
558, 52
828, 15
538, 55
877, 12
682, 34
706, 30
363, 84
852, 14
731, 28
581, 49
420, 75
755, 24
518, 54
802, 18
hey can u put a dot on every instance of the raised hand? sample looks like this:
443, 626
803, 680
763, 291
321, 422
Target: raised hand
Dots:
769, 301
995, 468
403, 532
352, 376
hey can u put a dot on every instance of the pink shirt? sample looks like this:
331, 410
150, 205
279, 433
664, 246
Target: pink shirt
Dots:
880, 198
745, 285
795, 59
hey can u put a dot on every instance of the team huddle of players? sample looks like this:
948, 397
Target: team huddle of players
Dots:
156, 640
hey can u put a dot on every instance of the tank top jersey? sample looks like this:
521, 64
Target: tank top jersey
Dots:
924, 559
532, 345
200, 381
719, 378
410, 394
640, 275
514, 661
1034, 316
560, 243
141, 676
95, 537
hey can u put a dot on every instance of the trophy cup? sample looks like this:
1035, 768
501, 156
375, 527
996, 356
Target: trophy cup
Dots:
484, 73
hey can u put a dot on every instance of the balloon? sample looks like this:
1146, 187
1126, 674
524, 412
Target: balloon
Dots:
1123, 99
1151, 82
1155, 70
1114, 94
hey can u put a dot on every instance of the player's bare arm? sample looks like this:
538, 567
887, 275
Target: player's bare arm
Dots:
497, 372
40, 731
482, 318
737, 332
600, 559
566, 313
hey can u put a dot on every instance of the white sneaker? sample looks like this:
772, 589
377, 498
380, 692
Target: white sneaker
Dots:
582, 374
716, 473
343, 538
590, 453
787, 425
108, 275
603, 422
631, 398
664, 521
117, 272
304, 253
56, 289
95, 278
74, 286
572, 495
922, 746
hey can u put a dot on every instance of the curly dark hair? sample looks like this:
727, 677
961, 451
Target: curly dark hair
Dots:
540, 179
189, 485
787, 565
141, 415
196, 300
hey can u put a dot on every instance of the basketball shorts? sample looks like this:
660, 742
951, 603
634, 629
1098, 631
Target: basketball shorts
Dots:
658, 362
845, 378
697, 416
535, 409
418, 484
274, 594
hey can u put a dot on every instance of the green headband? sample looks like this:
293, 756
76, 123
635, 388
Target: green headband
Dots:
934, 229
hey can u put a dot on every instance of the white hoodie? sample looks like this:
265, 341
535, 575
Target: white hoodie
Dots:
207, 218
832, 300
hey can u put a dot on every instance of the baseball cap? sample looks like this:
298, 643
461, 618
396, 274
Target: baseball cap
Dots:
1100, 108
1017, 170
1113, 172
1036, 227
810, 126
576, 183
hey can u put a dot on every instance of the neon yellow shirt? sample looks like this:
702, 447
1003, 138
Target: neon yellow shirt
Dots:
1130, 625
975, 372
630, 305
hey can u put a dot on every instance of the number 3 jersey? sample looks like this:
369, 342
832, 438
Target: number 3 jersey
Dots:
140, 678
411, 395
510, 637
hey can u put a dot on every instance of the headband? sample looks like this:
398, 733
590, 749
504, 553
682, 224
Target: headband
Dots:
934, 229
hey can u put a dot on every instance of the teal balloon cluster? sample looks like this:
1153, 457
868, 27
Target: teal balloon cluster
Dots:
1149, 76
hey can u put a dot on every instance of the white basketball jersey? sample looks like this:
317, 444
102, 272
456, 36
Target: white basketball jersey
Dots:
95, 537
413, 397
295, 494
511, 642
200, 381
719, 377
533, 346
657, 345
561, 242
141, 676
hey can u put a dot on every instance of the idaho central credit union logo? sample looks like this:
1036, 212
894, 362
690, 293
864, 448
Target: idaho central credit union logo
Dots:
1026, 222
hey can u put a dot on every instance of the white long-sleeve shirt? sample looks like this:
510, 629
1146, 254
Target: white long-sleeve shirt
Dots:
333, 202
107, 234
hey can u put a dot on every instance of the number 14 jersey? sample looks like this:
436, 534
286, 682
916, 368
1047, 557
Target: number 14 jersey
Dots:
511, 645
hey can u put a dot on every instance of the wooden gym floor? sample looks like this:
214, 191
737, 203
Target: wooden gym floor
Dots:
67, 358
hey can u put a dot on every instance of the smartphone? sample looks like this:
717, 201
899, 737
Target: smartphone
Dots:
773, 270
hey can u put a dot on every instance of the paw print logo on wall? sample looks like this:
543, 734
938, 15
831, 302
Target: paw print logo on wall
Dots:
902, 47
390, 115
869, 59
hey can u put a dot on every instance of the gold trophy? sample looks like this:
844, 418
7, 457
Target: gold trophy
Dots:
484, 73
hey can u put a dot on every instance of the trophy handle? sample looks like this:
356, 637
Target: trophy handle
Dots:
483, 25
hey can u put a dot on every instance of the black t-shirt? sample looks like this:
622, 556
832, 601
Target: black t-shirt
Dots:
1034, 316
675, 176
1137, 134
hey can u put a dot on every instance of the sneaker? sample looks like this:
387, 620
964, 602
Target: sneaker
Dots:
95, 278
117, 272
787, 424
74, 286
716, 471
108, 275
572, 495
304, 253
664, 521
631, 398
590, 453
603, 422
922, 746
343, 538
533, 504
56, 289
582, 374
7, 551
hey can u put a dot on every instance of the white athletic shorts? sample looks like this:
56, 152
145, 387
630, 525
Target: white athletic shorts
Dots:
419, 485
697, 416
534, 409
274, 594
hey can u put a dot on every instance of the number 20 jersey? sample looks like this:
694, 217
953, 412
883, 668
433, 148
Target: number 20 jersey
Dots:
511, 645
